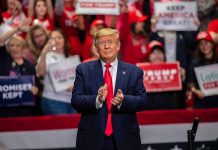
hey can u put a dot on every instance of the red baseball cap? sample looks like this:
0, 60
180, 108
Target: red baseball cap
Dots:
136, 16
97, 22
204, 35
153, 44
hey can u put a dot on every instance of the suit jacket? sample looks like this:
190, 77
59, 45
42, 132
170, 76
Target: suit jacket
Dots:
89, 77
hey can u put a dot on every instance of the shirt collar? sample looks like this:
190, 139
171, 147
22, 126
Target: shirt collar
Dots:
113, 64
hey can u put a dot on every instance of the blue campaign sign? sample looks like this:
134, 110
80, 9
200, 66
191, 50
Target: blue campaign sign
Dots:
16, 91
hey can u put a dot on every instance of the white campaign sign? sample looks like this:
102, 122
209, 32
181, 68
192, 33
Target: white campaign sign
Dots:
176, 16
207, 77
109, 7
63, 73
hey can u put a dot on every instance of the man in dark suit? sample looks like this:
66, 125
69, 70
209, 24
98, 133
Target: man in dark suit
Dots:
108, 93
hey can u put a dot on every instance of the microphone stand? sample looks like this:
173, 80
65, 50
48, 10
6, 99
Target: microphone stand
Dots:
191, 134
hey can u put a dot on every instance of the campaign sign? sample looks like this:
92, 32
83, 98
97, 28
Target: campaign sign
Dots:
207, 77
16, 91
63, 73
176, 16
161, 77
104, 7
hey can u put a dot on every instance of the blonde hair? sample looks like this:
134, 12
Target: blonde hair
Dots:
105, 32
19, 39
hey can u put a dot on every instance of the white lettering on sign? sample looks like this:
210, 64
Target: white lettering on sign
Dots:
63, 74
160, 75
16, 87
12, 95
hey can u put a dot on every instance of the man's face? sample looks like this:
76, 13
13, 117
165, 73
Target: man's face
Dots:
108, 47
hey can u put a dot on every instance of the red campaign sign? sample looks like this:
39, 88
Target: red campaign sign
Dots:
161, 77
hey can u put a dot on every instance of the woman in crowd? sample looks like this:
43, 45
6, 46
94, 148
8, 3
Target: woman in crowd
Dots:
36, 39
205, 55
71, 24
41, 13
15, 65
56, 50
160, 100
133, 37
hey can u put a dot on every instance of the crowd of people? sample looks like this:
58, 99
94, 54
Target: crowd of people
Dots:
37, 33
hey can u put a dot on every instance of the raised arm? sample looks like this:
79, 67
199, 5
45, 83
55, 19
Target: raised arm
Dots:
7, 35
41, 63
30, 9
23, 26
50, 9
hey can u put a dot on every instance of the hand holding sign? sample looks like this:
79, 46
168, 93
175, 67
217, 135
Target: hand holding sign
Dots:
198, 93
34, 90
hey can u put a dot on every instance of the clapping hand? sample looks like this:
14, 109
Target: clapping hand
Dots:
117, 100
102, 93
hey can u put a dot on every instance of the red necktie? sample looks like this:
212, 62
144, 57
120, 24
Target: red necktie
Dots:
108, 81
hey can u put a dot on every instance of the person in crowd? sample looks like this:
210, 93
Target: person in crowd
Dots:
133, 37
71, 24
14, 66
212, 28
205, 55
89, 51
6, 35
166, 99
136, 5
41, 13
56, 50
36, 39
179, 46
156, 52
14, 15
108, 93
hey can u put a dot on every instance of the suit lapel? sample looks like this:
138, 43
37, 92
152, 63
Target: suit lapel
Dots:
98, 73
121, 76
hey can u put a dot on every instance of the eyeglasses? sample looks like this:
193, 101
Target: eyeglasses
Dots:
103, 43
